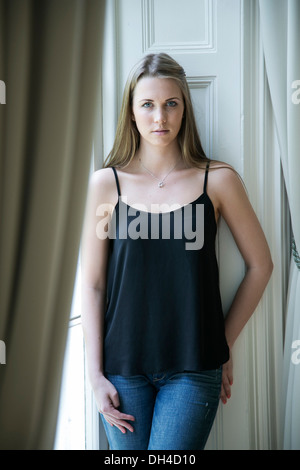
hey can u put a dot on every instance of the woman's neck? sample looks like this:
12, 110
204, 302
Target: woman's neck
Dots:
159, 160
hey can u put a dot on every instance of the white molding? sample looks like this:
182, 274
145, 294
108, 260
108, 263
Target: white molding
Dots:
150, 43
264, 181
208, 83
110, 81
253, 156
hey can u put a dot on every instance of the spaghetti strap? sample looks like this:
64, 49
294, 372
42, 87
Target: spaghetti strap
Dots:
205, 177
117, 180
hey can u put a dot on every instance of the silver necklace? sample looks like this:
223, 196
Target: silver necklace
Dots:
161, 182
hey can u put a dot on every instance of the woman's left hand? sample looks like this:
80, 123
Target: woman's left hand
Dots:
227, 380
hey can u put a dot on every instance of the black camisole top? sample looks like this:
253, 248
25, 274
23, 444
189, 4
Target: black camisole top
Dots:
164, 310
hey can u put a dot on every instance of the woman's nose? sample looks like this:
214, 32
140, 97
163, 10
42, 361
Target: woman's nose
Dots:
160, 116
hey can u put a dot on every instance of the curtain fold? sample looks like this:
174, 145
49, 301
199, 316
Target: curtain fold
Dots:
280, 20
50, 61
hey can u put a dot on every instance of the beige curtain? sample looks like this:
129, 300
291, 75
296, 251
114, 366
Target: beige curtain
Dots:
280, 28
50, 60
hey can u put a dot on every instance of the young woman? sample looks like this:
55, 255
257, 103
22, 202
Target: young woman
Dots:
157, 345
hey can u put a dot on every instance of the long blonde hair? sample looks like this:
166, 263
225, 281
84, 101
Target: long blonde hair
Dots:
127, 137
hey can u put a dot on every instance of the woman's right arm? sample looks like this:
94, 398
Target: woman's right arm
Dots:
94, 258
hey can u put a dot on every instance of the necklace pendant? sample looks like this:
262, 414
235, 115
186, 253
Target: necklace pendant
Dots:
161, 184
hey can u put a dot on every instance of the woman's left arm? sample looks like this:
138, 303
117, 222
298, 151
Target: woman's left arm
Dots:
234, 206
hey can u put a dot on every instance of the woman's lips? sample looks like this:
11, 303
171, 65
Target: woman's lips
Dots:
160, 132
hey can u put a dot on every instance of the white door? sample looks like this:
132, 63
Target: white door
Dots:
205, 37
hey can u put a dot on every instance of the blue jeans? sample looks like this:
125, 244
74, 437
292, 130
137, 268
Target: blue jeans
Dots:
173, 411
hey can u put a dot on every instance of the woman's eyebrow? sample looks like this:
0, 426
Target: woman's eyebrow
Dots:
174, 98
168, 99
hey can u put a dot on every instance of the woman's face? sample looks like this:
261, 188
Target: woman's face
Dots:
157, 109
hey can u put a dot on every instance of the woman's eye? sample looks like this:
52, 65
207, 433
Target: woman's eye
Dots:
169, 104
172, 104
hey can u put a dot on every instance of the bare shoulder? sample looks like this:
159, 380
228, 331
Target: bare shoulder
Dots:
102, 186
221, 170
223, 177
101, 177
225, 186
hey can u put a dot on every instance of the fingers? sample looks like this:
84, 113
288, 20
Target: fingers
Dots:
115, 418
225, 393
107, 398
115, 399
227, 381
120, 421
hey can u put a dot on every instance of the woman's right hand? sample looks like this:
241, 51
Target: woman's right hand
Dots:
107, 400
